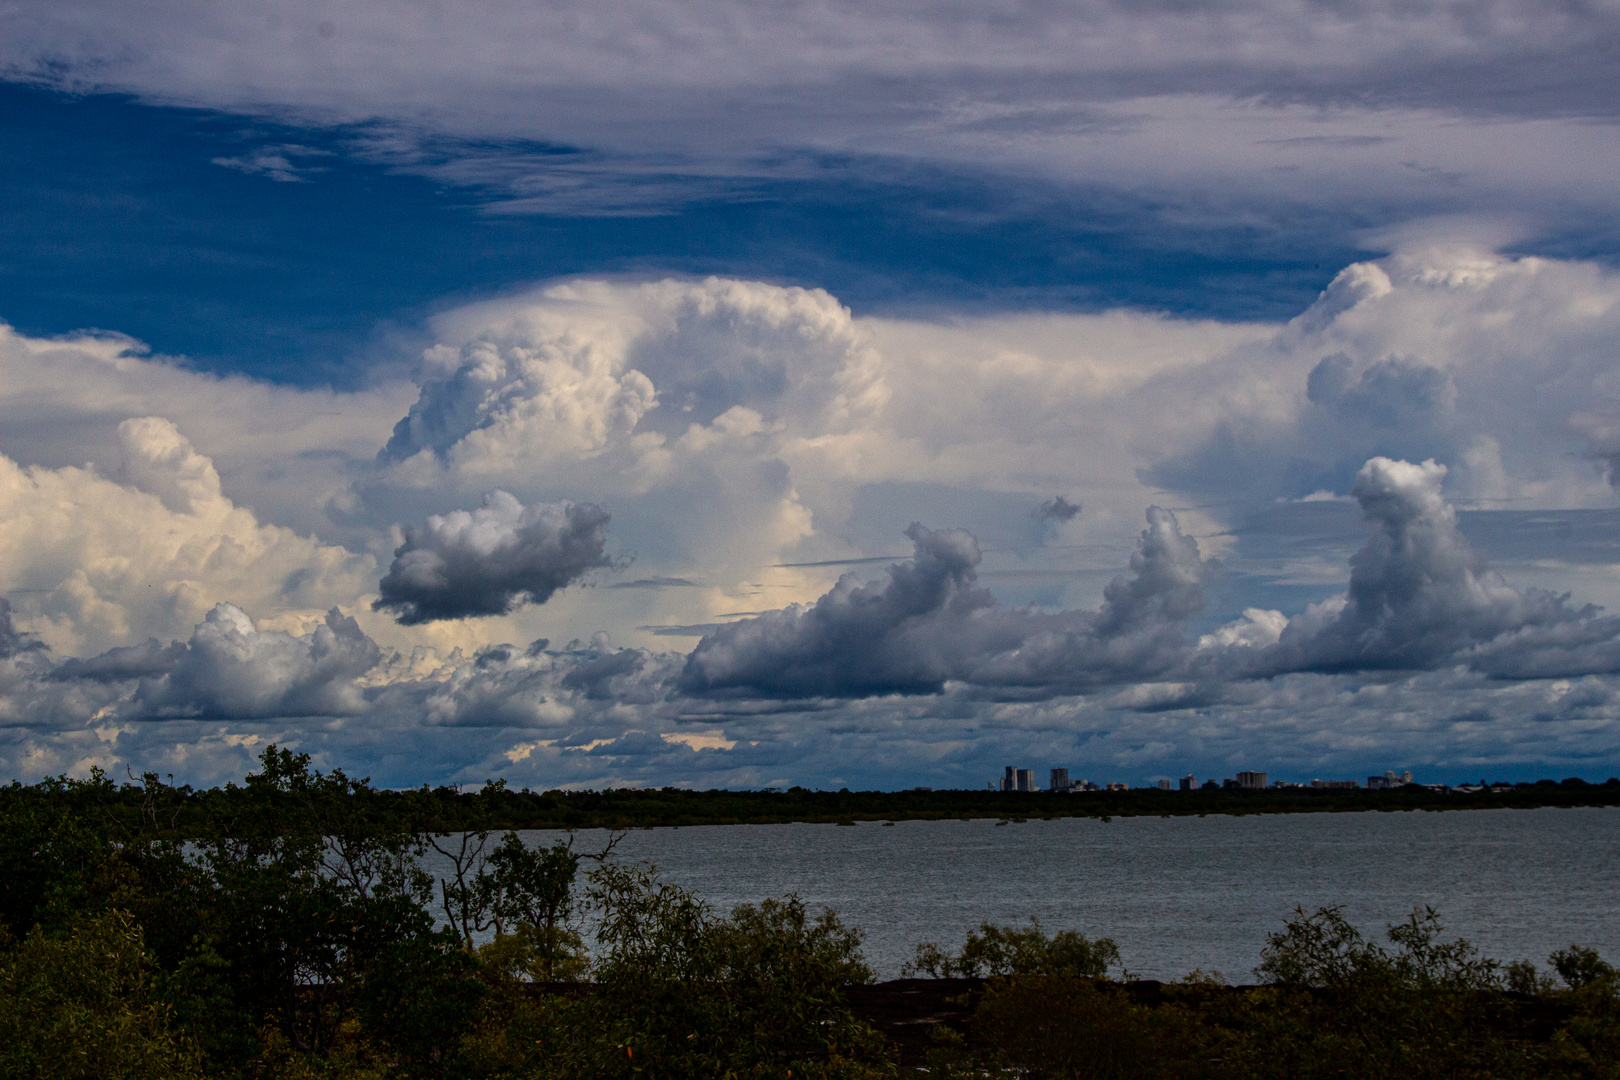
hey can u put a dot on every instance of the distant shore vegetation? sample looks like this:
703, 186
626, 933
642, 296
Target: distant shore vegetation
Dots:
287, 928
497, 806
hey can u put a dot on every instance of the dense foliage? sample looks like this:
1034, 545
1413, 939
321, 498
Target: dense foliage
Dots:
291, 927
292, 930
1333, 1005
1004, 950
501, 807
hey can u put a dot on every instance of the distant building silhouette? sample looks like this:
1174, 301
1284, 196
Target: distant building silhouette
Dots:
1251, 781
1189, 783
1018, 780
1060, 780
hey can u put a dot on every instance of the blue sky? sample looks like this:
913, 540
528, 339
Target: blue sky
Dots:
506, 391
121, 219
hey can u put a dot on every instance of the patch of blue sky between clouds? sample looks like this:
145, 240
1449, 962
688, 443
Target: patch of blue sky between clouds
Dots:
170, 225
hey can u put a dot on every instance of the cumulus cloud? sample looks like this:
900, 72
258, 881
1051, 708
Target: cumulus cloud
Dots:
699, 410
231, 669
575, 369
93, 561
1417, 593
788, 440
1499, 367
291, 453
1139, 633
487, 561
928, 623
1057, 509
1419, 599
538, 399
905, 634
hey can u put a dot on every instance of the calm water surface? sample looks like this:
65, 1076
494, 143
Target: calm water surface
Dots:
1175, 893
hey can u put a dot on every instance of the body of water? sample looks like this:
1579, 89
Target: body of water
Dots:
1176, 893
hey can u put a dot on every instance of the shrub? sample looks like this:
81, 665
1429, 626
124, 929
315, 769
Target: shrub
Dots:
81, 1006
998, 950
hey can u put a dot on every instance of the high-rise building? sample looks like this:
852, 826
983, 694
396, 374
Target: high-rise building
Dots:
1251, 781
1026, 779
1189, 783
1060, 780
1010, 781
1164, 785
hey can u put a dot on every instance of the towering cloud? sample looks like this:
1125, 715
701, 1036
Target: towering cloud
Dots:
788, 436
1420, 599
1417, 593
487, 561
572, 371
928, 623
1140, 632
905, 634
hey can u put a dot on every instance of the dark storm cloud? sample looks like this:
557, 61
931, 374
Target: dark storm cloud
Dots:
927, 623
903, 634
12, 640
492, 559
1419, 599
148, 660
1057, 509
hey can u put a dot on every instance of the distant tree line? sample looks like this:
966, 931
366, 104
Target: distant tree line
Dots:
497, 806
288, 927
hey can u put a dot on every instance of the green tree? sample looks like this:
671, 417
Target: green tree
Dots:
1347, 1006
81, 1005
1004, 950
687, 993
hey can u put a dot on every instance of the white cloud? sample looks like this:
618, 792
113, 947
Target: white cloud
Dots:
290, 453
91, 563
276, 162
232, 669
1311, 102
1492, 365
776, 441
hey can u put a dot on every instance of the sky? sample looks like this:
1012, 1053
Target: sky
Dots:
829, 394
